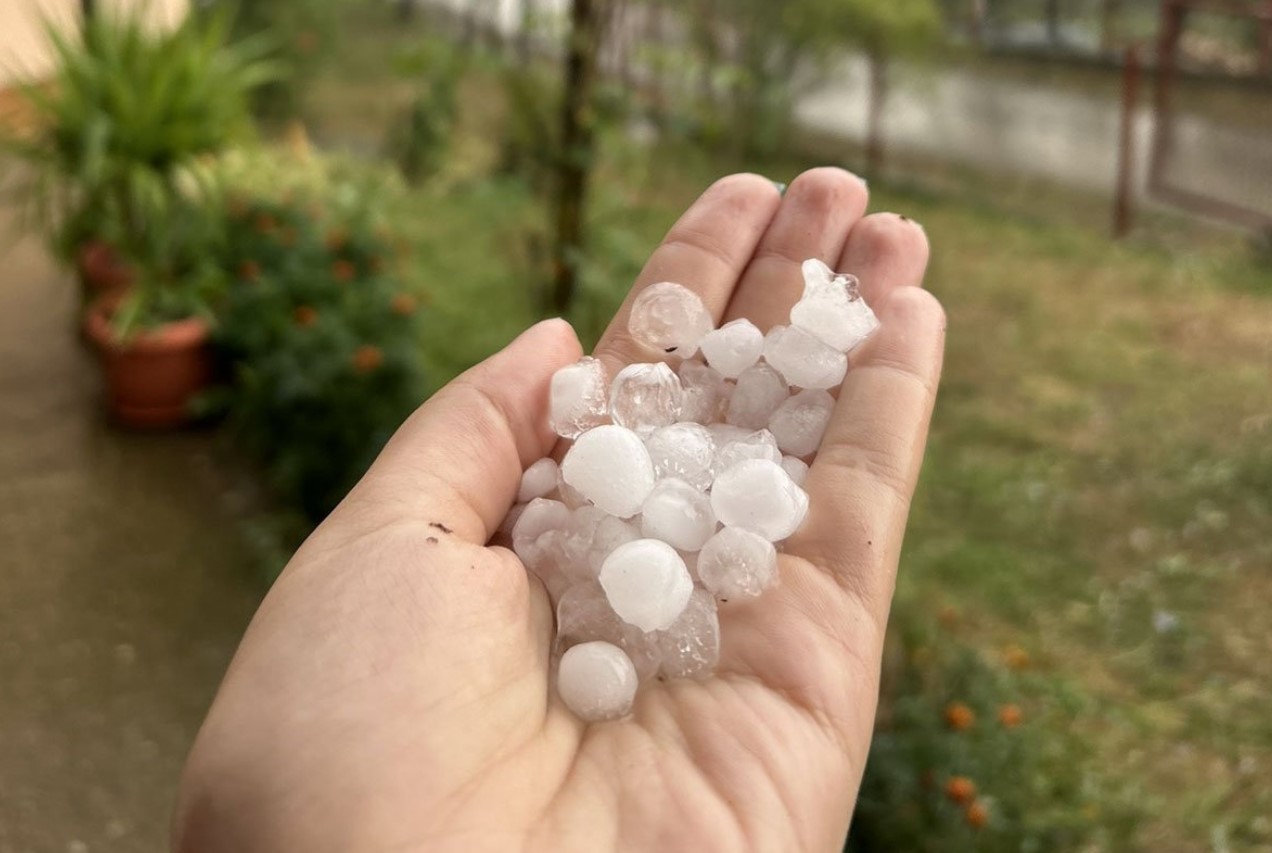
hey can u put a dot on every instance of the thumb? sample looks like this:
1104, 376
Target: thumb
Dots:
457, 461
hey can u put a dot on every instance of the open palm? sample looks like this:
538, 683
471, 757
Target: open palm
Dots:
392, 693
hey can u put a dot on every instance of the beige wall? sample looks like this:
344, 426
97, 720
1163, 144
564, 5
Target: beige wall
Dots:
23, 52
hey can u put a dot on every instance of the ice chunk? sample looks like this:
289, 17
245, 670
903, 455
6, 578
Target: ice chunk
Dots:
736, 563
609, 534
669, 318
597, 681
759, 496
705, 393
583, 614
645, 397
539, 517
678, 514
733, 347
684, 450
759, 444
796, 468
538, 480
577, 397
802, 359
832, 309
646, 583
691, 646
610, 466
800, 422
759, 391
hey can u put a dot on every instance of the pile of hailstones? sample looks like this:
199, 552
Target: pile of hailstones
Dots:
680, 484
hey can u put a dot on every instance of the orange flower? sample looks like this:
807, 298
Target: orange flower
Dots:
266, 224
305, 316
367, 358
959, 717
960, 789
403, 305
1010, 716
343, 270
336, 239
976, 815
249, 271
1015, 657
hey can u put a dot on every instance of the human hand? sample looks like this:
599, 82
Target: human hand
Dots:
392, 692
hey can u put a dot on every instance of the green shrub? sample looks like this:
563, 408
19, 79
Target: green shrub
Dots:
971, 754
321, 336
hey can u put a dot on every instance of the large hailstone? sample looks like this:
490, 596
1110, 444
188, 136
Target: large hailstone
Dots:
577, 397
759, 444
800, 422
683, 450
647, 583
678, 514
803, 359
597, 681
705, 393
690, 648
737, 563
733, 347
670, 318
610, 466
832, 309
760, 390
645, 397
758, 495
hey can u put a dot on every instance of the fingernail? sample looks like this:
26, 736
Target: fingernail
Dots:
781, 187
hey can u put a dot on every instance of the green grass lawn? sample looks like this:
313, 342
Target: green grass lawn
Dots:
1098, 488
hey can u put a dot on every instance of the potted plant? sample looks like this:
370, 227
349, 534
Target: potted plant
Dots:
114, 175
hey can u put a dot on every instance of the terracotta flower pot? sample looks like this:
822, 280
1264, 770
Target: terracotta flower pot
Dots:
101, 269
152, 376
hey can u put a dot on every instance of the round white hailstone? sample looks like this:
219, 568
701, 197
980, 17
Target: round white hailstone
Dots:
705, 392
796, 468
678, 514
538, 480
670, 318
609, 534
583, 614
759, 391
597, 681
802, 359
645, 397
539, 517
684, 450
578, 537
759, 496
646, 583
722, 434
736, 563
759, 444
610, 466
832, 309
691, 646
800, 422
577, 397
733, 347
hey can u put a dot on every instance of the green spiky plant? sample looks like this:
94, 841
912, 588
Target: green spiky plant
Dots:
119, 139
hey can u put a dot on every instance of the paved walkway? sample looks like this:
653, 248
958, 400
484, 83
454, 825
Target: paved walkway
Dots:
123, 589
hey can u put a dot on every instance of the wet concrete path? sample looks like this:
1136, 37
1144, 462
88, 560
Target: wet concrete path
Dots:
124, 587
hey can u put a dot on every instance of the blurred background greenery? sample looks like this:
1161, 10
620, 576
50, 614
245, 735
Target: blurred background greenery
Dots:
357, 199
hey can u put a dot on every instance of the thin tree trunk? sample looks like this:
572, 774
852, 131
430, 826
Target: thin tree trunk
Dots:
582, 49
878, 66
1110, 12
525, 32
1052, 12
